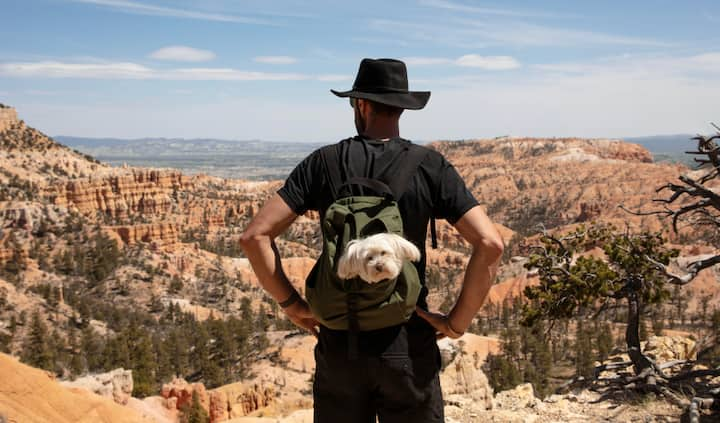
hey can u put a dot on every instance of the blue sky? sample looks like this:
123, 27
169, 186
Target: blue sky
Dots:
240, 69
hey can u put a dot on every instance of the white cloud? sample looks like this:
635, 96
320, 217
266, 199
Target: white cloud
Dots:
458, 7
153, 10
473, 33
126, 70
275, 60
182, 54
226, 74
52, 69
488, 62
468, 60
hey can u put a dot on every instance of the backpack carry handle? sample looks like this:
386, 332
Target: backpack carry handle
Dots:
377, 186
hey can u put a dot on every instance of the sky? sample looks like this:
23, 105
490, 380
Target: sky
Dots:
262, 69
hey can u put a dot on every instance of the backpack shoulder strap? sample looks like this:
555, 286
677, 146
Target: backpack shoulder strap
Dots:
414, 155
411, 159
331, 162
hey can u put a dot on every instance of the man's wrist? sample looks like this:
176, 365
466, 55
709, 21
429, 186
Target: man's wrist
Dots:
452, 331
292, 299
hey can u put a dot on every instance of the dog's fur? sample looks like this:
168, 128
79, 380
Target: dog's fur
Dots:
376, 258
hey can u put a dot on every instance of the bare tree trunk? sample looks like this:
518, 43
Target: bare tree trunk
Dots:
632, 335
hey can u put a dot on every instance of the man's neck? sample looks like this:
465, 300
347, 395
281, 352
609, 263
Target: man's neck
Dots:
382, 132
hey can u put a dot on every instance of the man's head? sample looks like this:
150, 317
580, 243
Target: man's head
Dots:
370, 114
381, 92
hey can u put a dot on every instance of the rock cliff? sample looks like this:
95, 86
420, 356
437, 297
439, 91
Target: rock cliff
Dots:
158, 234
524, 182
147, 192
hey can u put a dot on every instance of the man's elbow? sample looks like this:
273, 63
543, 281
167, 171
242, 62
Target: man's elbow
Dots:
251, 239
492, 248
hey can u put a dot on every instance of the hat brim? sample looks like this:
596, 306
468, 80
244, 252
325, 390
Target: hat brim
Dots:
413, 100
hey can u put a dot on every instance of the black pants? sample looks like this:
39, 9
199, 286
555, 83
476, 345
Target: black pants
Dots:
394, 377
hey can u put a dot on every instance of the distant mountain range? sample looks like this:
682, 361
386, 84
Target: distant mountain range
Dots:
251, 159
257, 159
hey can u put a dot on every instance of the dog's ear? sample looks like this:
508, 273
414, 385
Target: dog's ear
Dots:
404, 248
349, 264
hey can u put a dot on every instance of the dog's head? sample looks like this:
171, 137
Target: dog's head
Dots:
376, 258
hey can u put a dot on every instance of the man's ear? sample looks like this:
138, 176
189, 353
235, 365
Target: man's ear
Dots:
365, 107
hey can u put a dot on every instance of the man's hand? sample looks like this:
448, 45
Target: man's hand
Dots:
441, 323
299, 313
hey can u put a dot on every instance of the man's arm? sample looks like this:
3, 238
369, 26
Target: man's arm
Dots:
259, 246
476, 228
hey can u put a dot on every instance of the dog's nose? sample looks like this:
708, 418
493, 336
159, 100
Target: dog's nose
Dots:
379, 267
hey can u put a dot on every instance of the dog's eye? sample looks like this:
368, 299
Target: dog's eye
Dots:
383, 253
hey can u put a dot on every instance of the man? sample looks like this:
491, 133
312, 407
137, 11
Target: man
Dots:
395, 376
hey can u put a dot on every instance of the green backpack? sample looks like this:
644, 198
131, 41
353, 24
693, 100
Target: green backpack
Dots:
354, 304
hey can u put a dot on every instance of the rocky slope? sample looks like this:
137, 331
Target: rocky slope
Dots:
527, 181
31, 395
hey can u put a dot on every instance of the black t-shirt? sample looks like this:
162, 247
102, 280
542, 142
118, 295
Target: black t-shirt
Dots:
436, 189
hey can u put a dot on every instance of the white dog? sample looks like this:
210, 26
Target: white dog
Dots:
376, 258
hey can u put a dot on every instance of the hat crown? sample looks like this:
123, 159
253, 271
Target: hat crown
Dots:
381, 75
385, 81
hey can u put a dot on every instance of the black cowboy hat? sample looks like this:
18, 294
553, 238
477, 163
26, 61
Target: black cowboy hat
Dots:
385, 81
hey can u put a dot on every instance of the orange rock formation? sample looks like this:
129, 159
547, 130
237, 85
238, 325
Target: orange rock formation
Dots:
31, 395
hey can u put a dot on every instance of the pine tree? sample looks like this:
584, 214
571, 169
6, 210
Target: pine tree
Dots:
502, 372
164, 364
704, 302
503, 369
540, 359
658, 324
176, 285
178, 347
36, 350
144, 365
202, 359
246, 315
91, 348
193, 412
16, 264
571, 282
583, 351
77, 362
604, 341
225, 348
117, 353
141, 356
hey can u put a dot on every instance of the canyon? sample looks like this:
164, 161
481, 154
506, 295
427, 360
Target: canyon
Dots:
174, 242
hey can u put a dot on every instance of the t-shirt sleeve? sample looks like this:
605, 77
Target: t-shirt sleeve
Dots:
301, 187
453, 198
